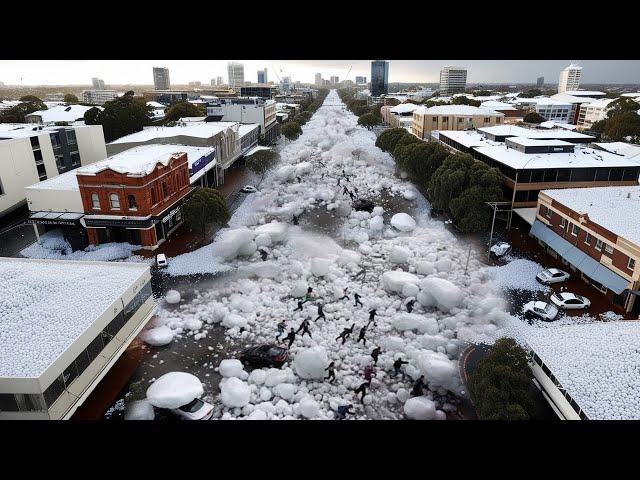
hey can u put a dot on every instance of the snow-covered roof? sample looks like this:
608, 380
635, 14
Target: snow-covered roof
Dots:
551, 124
517, 131
534, 142
496, 105
62, 113
585, 93
191, 129
456, 110
621, 148
26, 130
404, 108
615, 208
469, 138
601, 103
156, 105
45, 305
543, 101
631, 95
566, 98
245, 128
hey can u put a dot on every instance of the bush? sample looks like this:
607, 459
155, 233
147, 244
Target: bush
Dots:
369, 120
533, 117
71, 99
389, 138
181, 110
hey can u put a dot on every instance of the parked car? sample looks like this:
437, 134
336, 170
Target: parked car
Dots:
500, 249
194, 410
264, 356
542, 310
552, 275
161, 260
363, 204
571, 301
248, 189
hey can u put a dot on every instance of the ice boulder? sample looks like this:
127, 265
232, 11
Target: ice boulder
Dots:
438, 369
139, 410
234, 392
257, 376
172, 297
377, 212
276, 230
299, 289
263, 240
394, 281
414, 321
410, 290
174, 389
247, 249
320, 266
285, 391
349, 256
230, 242
274, 377
159, 336
424, 268
445, 294
311, 362
232, 320
232, 368
444, 265
420, 408
403, 222
309, 408
376, 224
399, 254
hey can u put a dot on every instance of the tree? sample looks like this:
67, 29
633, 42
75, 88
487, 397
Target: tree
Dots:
533, 117
389, 138
499, 387
17, 113
71, 99
482, 93
31, 99
392, 102
369, 120
622, 105
206, 206
405, 140
462, 100
422, 159
181, 110
623, 127
302, 118
291, 130
532, 92
261, 161
449, 180
120, 116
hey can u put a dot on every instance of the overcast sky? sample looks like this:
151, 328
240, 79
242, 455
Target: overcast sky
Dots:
79, 72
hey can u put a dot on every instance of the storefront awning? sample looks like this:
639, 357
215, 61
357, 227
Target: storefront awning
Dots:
55, 218
580, 260
527, 214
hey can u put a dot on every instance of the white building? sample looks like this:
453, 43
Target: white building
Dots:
235, 73
593, 112
247, 110
97, 83
318, 79
570, 78
549, 108
61, 113
60, 340
99, 97
452, 80
219, 81
30, 154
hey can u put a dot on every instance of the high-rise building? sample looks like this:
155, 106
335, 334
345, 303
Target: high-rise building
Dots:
219, 81
318, 79
570, 78
379, 77
262, 76
452, 80
540, 82
335, 80
161, 78
361, 80
235, 72
98, 84
285, 85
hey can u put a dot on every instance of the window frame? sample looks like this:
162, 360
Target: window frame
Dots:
599, 244
588, 239
608, 247
132, 206
631, 263
574, 227
111, 203
95, 198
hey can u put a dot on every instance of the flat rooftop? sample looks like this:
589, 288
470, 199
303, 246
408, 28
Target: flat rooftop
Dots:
63, 113
456, 110
193, 129
469, 138
621, 148
26, 130
535, 142
615, 208
517, 131
45, 305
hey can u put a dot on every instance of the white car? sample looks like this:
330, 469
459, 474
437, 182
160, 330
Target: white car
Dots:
552, 275
195, 410
500, 249
568, 300
542, 310
248, 189
161, 260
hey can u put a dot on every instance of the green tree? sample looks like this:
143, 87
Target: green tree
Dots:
462, 100
261, 161
17, 113
622, 105
406, 139
181, 110
393, 102
499, 387
31, 99
389, 138
623, 127
482, 93
302, 117
71, 99
369, 120
121, 116
291, 130
449, 180
422, 159
533, 117
530, 93
205, 207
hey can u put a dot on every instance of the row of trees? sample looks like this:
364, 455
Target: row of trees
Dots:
17, 113
368, 115
622, 122
292, 128
121, 116
456, 184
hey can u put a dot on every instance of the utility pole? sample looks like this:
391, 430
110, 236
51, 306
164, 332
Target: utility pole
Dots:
468, 257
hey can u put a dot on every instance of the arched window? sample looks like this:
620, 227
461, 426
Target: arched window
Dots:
133, 205
154, 197
115, 201
95, 201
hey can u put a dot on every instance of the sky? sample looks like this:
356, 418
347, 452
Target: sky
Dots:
80, 72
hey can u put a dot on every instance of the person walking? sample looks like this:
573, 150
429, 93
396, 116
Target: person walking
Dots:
339, 178
363, 390
361, 335
291, 337
418, 387
343, 410
263, 254
281, 328
352, 196
375, 353
357, 299
332, 373
295, 220
304, 326
372, 317
300, 302
345, 294
397, 365
320, 313
346, 333
369, 373
410, 305
307, 297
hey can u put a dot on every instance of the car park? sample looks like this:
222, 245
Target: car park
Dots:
542, 310
552, 275
570, 301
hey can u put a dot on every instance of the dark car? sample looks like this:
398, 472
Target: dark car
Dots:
363, 204
264, 356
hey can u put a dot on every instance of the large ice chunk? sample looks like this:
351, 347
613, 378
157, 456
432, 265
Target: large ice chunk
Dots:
139, 410
403, 222
276, 230
420, 408
234, 392
232, 368
174, 389
445, 293
399, 254
172, 297
394, 281
311, 362
162, 335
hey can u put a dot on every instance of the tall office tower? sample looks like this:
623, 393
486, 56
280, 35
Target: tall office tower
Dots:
235, 72
334, 80
540, 82
98, 84
262, 76
219, 81
379, 77
570, 78
452, 80
161, 78
318, 79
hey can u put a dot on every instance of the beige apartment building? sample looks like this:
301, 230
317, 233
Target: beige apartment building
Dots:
452, 117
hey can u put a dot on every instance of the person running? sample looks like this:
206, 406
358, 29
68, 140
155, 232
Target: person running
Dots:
346, 289
346, 333
291, 337
353, 197
295, 220
300, 302
339, 178
410, 305
299, 179
343, 410
361, 335
418, 386
263, 254
363, 390
332, 373
357, 299
281, 329
397, 365
303, 326
375, 353
369, 373
345, 191
307, 297
372, 317
320, 313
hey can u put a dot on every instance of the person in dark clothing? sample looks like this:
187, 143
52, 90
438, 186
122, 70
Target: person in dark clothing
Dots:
263, 254
291, 337
361, 335
332, 373
307, 297
369, 373
304, 325
375, 353
353, 197
320, 313
299, 179
346, 333
295, 220
281, 328
300, 302
410, 305
345, 191
363, 390
397, 365
345, 294
339, 178
343, 410
418, 386
357, 299
372, 317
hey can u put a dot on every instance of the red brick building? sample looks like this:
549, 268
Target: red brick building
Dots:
136, 196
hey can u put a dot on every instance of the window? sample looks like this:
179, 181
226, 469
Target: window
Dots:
487, 119
631, 264
460, 120
435, 119
563, 222
608, 249
165, 189
575, 230
133, 205
598, 244
549, 213
95, 201
154, 197
588, 239
115, 201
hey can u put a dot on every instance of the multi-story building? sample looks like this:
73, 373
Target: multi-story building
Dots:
361, 80
576, 104
511, 114
161, 78
540, 82
595, 232
168, 97
452, 117
593, 112
219, 81
570, 78
549, 108
235, 73
399, 116
334, 80
379, 78
50, 363
285, 85
31, 154
262, 76
247, 110
98, 97
452, 80
97, 83
318, 80
61, 114
263, 91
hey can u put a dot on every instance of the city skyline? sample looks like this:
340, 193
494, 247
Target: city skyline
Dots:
80, 72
